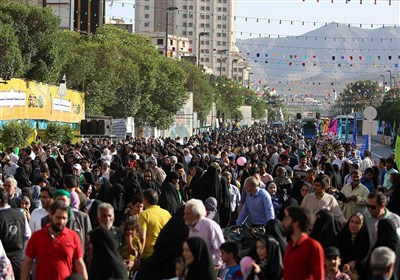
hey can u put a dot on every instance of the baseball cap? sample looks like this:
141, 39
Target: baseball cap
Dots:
77, 166
332, 252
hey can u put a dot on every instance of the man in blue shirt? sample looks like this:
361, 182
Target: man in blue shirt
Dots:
367, 181
258, 205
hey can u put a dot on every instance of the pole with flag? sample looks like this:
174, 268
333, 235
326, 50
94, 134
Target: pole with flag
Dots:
355, 129
397, 151
339, 130
346, 132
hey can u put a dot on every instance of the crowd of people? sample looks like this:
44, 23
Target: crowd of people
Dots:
160, 208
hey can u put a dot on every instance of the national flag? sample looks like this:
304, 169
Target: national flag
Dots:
346, 132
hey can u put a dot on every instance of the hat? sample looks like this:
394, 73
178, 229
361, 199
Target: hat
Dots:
332, 252
6, 158
62, 192
151, 160
77, 166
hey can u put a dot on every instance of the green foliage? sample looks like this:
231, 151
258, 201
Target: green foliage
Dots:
389, 109
199, 84
58, 132
10, 54
39, 41
16, 133
358, 96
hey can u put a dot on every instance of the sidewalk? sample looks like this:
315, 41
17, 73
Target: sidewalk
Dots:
384, 140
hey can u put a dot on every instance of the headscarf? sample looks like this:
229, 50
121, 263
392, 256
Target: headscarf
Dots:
386, 236
210, 184
325, 228
106, 262
274, 228
169, 198
195, 181
202, 266
353, 248
168, 247
273, 268
211, 207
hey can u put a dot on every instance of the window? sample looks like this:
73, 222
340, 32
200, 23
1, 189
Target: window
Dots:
218, 34
184, 15
225, 1
190, 15
146, 7
202, 16
224, 43
184, 24
147, 24
224, 9
207, 16
224, 35
201, 24
207, 25
191, 7
219, 26
160, 41
219, 17
202, 8
219, 9
224, 26
207, 59
184, 7
207, 8
190, 42
190, 24
190, 33
183, 33
146, 16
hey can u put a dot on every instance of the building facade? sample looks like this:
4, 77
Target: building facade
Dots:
209, 25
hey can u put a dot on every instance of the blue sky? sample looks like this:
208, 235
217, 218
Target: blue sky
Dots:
309, 11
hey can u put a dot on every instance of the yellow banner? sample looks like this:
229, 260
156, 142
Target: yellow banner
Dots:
20, 99
397, 151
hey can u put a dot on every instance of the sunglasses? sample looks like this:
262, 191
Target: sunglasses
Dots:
373, 207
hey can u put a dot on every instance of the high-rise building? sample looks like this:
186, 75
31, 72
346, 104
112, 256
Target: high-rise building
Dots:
209, 25
81, 15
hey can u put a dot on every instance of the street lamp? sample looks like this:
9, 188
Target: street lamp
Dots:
198, 49
248, 82
390, 78
383, 86
233, 61
220, 62
166, 28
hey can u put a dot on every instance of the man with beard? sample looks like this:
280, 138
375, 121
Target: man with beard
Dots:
58, 250
296, 265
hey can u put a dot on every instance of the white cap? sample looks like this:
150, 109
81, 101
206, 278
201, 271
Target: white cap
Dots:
77, 166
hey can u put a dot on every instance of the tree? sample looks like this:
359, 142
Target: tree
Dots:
39, 40
10, 54
59, 132
16, 133
123, 75
357, 96
389, 109
203, 92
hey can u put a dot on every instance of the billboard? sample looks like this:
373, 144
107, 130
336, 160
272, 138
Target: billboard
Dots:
21, 99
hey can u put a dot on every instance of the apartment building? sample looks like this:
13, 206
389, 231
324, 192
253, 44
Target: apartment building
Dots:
208, 24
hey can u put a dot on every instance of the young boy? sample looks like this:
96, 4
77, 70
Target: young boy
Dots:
229, 255
332, 263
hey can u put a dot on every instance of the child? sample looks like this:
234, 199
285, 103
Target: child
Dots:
332, 263
131, 246
229, 255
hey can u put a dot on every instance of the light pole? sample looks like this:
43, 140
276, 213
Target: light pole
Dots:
166, 28
248, 82
198, 49
383, 86
233, 61
220, 62
390, 78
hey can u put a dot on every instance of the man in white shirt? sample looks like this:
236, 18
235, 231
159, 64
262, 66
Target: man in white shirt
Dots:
319, 199
340, 159
9, 168
46, 198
